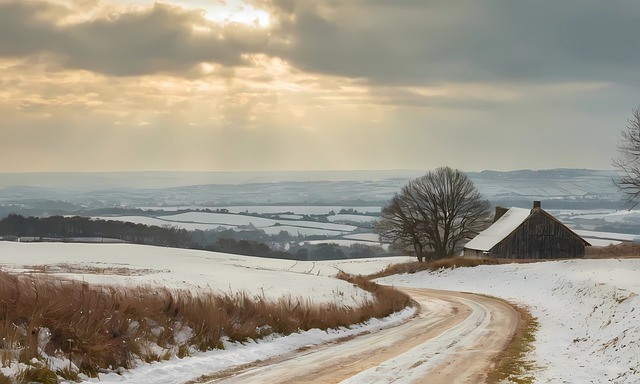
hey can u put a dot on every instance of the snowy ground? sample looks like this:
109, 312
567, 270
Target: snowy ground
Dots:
290, 223
588, 309
184, 268
589, 313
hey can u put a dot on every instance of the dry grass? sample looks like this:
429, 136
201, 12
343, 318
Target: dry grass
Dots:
386, 299
512, 365
98, 328
452, 262
630, 250
4, 379
40, 374
90, 269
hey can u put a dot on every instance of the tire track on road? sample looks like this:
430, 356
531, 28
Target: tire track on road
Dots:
453, 339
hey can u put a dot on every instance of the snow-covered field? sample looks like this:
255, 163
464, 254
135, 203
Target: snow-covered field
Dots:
274, 209
615, 238
626, 216
184, 268
208, 221
588, 309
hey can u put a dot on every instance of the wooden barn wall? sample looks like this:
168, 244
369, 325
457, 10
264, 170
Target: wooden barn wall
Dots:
539, 237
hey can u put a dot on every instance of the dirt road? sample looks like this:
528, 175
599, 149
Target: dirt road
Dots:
452, 339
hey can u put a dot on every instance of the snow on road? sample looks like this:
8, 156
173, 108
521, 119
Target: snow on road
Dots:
234, 355
453, 339
461, 353
588, 312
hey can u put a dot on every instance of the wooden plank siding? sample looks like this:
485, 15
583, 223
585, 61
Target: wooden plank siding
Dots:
540, 236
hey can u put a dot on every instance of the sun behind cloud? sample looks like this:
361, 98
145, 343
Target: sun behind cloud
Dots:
220, 11
324, 84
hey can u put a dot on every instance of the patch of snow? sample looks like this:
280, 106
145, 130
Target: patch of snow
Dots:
161, 222
303, 231
630, 216
353, 218
373, 237
290, 217
218, 218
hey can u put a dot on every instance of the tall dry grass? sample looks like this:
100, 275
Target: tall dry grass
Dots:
434, 265
614, 250
448, 263
96, 328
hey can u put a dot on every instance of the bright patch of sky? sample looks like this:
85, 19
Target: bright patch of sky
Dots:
220, 11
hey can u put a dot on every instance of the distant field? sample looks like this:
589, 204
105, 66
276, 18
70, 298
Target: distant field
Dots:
274, 209
343, 234
291, 222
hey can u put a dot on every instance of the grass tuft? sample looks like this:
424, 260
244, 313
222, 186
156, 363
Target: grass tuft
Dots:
69, 374
512, 365
39, 374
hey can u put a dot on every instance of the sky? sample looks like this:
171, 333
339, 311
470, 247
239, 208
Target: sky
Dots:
285, 85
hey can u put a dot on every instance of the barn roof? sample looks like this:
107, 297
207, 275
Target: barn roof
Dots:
499, 230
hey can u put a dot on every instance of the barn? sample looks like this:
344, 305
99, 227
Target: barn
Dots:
519, 233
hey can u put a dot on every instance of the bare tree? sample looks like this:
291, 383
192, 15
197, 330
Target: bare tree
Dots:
434, 214
628, 161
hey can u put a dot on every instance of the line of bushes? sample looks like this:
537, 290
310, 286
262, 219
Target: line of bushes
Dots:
614, 250
434, 265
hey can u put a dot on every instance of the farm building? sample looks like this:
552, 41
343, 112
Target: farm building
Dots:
519, 233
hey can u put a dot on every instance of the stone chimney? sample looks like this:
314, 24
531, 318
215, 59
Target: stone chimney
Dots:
536, 206
500, 211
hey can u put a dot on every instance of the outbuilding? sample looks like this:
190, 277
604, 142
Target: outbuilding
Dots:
519, 233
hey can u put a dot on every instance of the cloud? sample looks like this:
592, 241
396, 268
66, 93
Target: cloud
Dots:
383, 42
88, 84
427, 42
157, 39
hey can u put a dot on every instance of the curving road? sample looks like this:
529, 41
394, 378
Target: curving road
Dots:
453, 339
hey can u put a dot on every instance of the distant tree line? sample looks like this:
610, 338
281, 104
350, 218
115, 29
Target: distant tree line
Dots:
68, 227
248, 243
247, 248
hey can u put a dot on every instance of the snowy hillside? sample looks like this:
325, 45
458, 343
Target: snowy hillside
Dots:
136, 264
587, 309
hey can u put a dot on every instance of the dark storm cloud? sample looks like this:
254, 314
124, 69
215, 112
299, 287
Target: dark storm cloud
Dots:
498, 40
159, 39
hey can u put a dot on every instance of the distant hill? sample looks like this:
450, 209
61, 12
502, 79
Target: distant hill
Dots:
68, 192
557, 187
